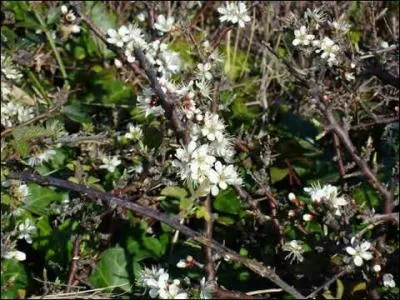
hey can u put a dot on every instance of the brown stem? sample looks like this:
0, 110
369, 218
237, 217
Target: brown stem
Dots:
329, 282
252, 264
336, 144
209, 228
74, 263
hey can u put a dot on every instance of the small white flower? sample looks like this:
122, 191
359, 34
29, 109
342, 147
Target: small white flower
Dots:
117, 63
388, 280
234, 12
221, 176
64, 9
384, 44
9, 70
26, 229
134, 133
203, 71
110, 163
40, 158
141, 16
182, 264
341, 26
307, 217
164, 24
170, 62
377, 268
326, 193
18, 255
292, 197
118, 37
148, 103
302, 37
134, 37
349, 76
201, 163
329, 51
204, 87
360, 252
295, 249
222, 147
213, 127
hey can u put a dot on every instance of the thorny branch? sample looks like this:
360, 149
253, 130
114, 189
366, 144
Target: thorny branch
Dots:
252, 264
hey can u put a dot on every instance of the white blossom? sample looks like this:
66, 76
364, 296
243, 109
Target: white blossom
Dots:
25, 230
234, 12
134, 37
18, 255
134, 133
326, 193
203, 72
119, 37
341, 26
40, 158
295, 249
164, 24
9, 70
329, 51
213, 127
204, 88
201, 163
349, 76
360, 252
388, 280
110, 163
302, 37
148, 103
118, 63
377, 268
222, 176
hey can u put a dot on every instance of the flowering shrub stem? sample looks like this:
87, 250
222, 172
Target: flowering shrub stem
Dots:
252, 264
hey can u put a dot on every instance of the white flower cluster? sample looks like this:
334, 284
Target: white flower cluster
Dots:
13, 113
163, 24
14, 254
359, 252
135, 133
388, 280
198, 162
328, 194
71, 24
235, 13
9, 70
328, 49
157, 280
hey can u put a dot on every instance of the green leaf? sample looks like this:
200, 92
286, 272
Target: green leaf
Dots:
174, 192
111, 271
76, 113
28, 132
277, 174
153, 245
21, 146
40, 198
79, 53
359, 287
339, 289
13, 278
328, 295
202, 213
365, 195
227, 202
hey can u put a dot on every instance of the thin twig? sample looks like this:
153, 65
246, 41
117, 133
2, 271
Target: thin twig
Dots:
329, 282
74, 263
252, 264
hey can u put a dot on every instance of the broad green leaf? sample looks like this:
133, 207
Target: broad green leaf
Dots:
202, 213
153, 245
328, 295
366, 195
174, 192
227, 202
277, 174
40, 198
111, 271
76, 113
13, 278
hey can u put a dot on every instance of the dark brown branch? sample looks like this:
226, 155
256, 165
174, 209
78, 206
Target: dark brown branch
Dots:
252, 264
